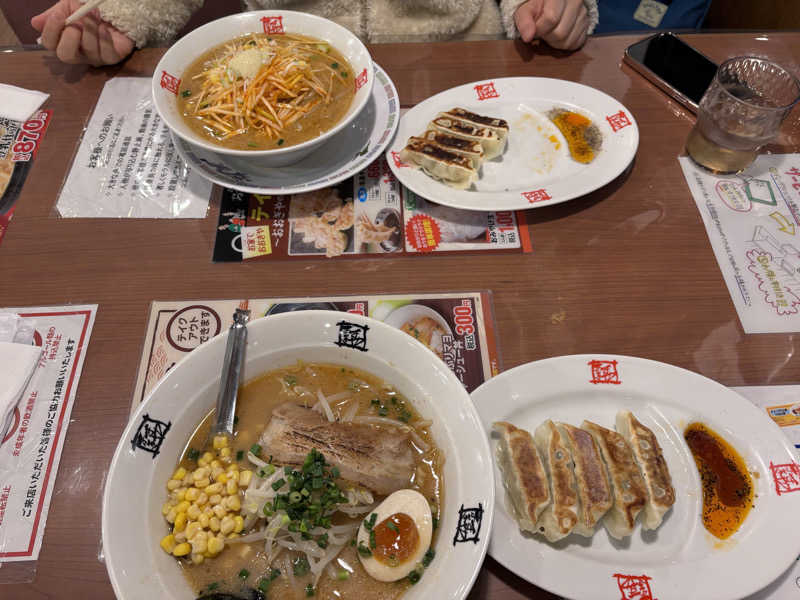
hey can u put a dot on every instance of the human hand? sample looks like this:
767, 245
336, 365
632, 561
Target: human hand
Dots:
560, 23
90, 40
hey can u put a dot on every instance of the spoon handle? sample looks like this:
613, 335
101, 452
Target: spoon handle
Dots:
231, 369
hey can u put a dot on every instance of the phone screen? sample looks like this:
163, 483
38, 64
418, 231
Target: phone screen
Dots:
677, 63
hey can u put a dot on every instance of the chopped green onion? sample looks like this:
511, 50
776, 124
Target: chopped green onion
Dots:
335, 472
375, 402
193, 454
343, 575
435, 522
393, 527
244, 574
414, 577
278, 484
383, 411
363, 550
300, 566
405, 416
240, 455
335, 65
255, 449
280, 142
369, 522
213, 586
290, 379
295, 497
186, 93
252, 144
309, 590
274, 574
372, 538
236, 419
263, 585
428, 558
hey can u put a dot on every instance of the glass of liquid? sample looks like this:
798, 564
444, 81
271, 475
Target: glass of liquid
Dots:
741, 111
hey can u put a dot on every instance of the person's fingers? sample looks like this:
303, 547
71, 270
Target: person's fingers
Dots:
51, 33
524, 18
577, 38
550, 17
90, 44
108, 54
69, 46
558, 37
123, 45
38, 21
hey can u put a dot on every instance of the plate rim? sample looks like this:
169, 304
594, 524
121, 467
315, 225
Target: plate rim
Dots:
510, 200
772, 574
348, 171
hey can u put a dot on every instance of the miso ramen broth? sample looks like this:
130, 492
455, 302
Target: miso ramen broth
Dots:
356, 398
261, 92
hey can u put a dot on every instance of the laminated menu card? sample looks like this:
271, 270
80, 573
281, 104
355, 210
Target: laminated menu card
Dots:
458, 327
753, 222
370, 214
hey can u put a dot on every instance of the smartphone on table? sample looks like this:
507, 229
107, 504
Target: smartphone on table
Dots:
672, 65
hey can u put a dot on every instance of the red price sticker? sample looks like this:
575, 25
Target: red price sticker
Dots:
423, 233
26, 143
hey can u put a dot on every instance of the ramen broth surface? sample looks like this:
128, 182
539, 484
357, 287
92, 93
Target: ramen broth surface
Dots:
257, 399
318, 120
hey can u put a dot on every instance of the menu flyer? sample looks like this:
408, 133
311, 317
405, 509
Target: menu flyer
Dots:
368, 214
458, 327
19, 143
126, 164
753, 222
782, 404
31, 449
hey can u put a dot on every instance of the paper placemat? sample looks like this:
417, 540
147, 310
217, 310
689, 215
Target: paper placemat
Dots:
469, 345
753, 222
31, 449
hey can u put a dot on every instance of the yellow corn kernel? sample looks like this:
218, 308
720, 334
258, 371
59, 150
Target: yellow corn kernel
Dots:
233, 472
213, 524
216, 471
202, 499
170, 517
181, 549
214, 499
180, 522
226, 525
214, 488
220, 511
202, 483
192, 528
194, 512
199, 546
198, 559
238, 523
183, 506
207, 554
202, 462
215, 545
201, 535
215, 464
225, 453
187, 481
180, 494
180, 537
179, 474
165, 508
174, 484
201, 473
203, 520
233, 503
244, 477
221, 477
233, 535
168, 543
220, 441
232, 487
208, 457
233, 467
192, 494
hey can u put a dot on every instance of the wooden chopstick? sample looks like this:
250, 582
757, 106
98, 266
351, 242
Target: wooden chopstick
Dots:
83, 11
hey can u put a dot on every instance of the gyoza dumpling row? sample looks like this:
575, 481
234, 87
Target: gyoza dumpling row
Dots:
566, 479
455, 144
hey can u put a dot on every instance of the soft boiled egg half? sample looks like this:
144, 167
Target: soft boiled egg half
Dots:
398, 534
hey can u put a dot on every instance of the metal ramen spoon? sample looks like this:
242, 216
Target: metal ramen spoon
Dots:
231, 369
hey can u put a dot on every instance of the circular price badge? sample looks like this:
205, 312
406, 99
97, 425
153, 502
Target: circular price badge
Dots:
423, 233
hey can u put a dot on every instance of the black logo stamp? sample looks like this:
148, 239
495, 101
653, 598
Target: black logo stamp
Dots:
150, 435
469, 524
352, 335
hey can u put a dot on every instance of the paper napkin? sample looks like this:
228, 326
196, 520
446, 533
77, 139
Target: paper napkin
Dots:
18, 104
18, 359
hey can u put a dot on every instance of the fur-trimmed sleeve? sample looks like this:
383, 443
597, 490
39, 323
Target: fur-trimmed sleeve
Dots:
149, 22
509, 7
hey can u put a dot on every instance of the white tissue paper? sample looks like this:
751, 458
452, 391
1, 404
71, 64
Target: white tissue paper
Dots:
18, 104
18, 360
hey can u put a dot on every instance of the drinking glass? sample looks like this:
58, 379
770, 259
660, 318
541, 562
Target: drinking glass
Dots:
741, 111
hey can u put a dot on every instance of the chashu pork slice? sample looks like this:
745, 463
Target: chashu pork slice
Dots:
456, 145
450, 168
379, 458
524, 476
653, 467
594, 492
561, 515
627, 485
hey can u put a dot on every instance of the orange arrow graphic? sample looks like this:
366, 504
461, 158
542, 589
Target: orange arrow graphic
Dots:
785, 225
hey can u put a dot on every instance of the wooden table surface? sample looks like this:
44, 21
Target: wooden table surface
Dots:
629, 266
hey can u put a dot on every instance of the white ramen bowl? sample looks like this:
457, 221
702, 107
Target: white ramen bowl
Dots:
170, 69
135, 489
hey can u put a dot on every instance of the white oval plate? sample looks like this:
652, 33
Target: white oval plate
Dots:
347, 153
680, 560
132, 521
532, 172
